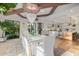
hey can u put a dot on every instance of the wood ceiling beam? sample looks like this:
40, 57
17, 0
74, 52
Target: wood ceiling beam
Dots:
47, 5
15, 11
51, 12
41, 6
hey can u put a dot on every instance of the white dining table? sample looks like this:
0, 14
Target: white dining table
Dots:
37, 38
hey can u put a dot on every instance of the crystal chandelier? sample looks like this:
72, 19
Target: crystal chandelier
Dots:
31, 9
31, 17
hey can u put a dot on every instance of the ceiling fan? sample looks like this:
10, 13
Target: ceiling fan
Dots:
34, 8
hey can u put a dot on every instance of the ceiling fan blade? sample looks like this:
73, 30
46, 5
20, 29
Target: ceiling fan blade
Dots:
14, 11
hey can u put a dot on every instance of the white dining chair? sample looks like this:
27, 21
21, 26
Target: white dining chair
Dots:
26, 46
2, 36
45, 47
49, 43
37, 47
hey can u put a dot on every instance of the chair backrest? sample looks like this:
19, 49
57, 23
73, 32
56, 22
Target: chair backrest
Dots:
49, 43
26, 46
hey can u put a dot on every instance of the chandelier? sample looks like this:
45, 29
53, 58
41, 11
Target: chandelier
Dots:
31, 17
31, 7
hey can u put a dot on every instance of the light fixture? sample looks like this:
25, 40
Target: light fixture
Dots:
31, 10
31, 7
31, 17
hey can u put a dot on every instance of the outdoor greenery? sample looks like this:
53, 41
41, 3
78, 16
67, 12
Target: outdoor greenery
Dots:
4, 7
32, 29
11, 28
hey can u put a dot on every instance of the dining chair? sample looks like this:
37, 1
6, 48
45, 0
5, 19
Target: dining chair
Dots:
45, 47
49, 43
26, 46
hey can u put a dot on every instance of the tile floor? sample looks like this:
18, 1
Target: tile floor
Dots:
11, 47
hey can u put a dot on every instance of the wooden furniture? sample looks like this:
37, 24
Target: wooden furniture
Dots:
67, 35
68, 46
